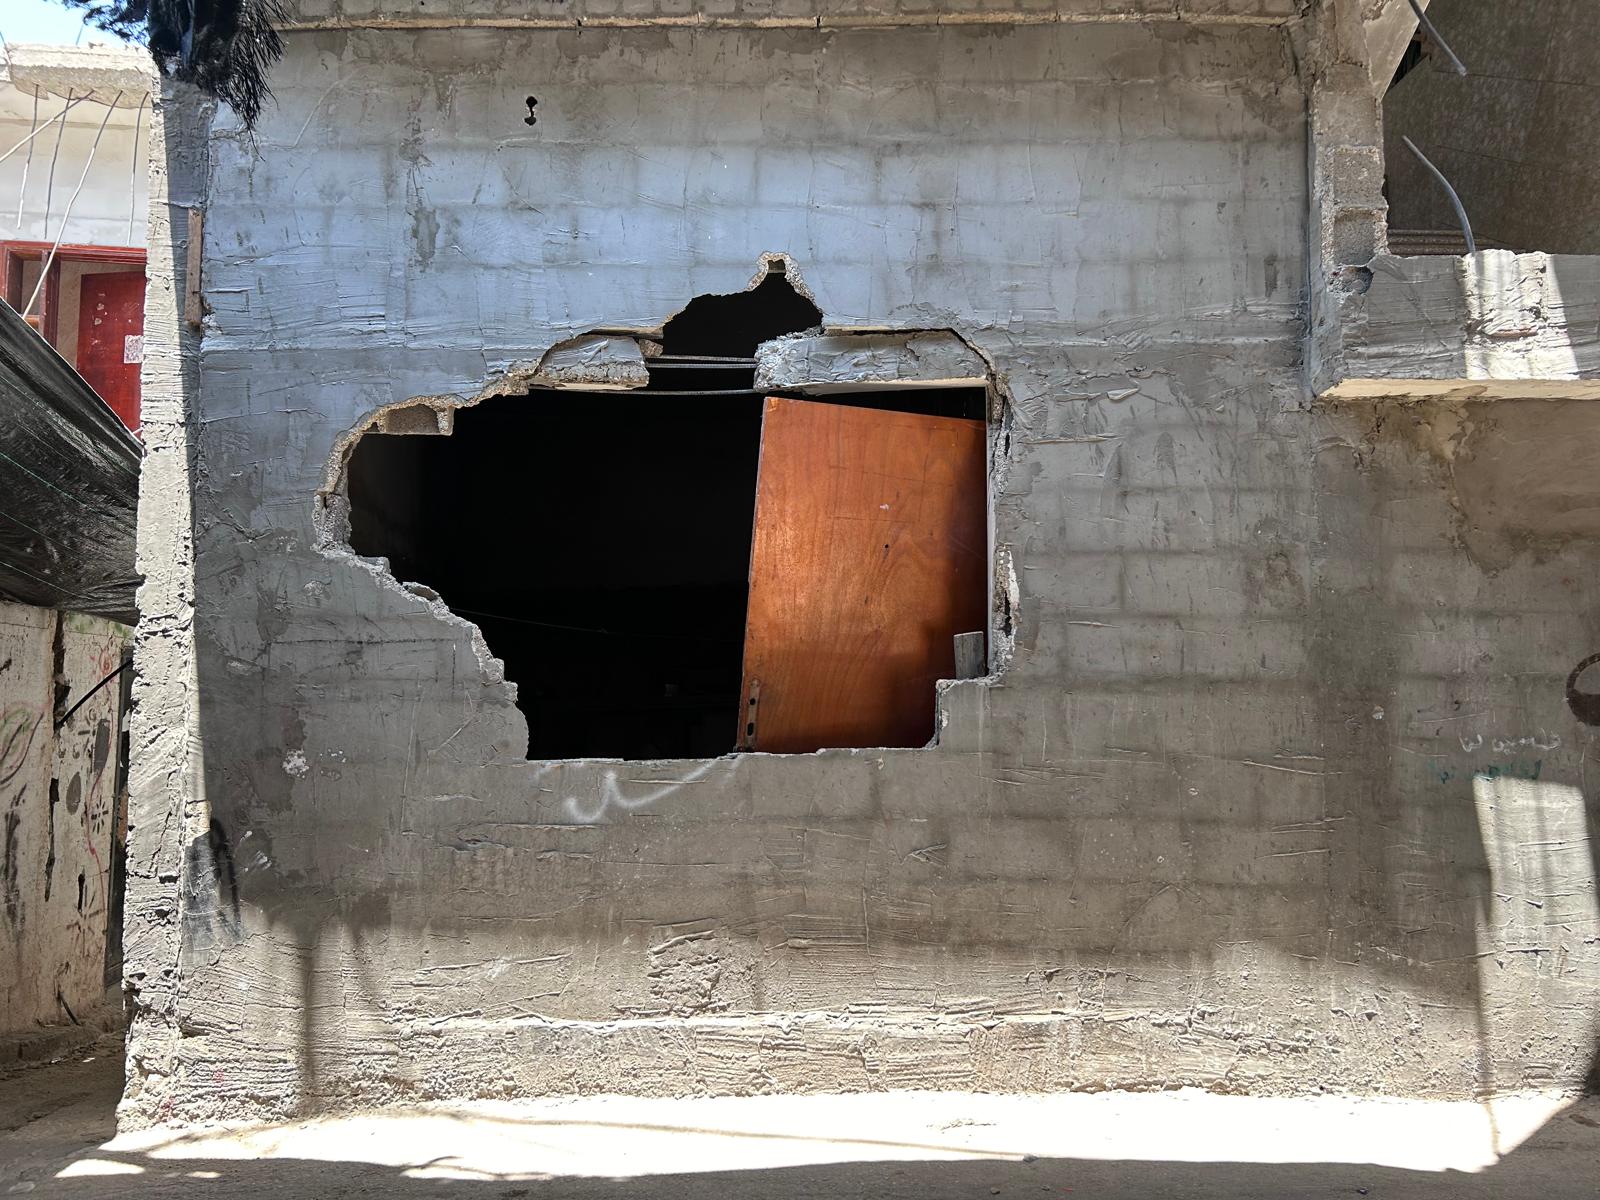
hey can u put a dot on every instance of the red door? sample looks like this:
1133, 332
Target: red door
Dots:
111, 339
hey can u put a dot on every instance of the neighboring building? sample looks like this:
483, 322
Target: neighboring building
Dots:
73, 206
67, 497
552, 408
72, 214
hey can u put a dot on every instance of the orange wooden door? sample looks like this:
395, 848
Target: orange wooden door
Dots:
869, 557
111, 339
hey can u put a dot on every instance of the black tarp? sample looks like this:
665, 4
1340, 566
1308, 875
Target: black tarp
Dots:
69, 484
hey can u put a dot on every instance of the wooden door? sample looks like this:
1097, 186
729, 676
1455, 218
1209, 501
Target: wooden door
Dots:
869, 557
111, 339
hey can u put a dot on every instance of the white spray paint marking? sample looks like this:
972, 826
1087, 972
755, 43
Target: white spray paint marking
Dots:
611, 794
295, 763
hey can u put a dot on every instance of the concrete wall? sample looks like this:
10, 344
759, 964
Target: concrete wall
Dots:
1518, 137
60, 810
1275, 787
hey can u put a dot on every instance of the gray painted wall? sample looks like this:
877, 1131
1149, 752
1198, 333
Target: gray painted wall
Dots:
1275, 787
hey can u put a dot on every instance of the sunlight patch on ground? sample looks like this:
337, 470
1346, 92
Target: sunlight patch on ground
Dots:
618, 1137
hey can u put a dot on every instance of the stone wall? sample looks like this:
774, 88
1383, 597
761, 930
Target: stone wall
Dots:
1261, 792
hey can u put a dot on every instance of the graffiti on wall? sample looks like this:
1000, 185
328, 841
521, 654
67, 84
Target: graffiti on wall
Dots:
1584, 705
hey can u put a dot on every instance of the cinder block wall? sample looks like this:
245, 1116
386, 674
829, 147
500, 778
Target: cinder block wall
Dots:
1276, 787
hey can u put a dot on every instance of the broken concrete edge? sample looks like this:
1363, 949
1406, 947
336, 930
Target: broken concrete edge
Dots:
838, 361
119, 76
574, 364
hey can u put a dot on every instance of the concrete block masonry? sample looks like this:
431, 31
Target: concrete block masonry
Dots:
1251, 801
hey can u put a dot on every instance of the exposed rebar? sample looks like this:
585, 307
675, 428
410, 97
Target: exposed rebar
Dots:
66, 216
1422, 19
40, 129
1461, 213
133, 183
27, 163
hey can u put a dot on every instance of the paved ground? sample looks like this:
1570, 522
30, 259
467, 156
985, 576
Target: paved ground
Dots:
57, 1139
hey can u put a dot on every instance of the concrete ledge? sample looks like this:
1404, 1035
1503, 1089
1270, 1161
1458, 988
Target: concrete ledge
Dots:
840, 362
1497, 325
854, 14
1416, 391
97, 73
593, 361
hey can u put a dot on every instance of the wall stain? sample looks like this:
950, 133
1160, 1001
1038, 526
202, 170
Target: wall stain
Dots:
8, 868
1584, 705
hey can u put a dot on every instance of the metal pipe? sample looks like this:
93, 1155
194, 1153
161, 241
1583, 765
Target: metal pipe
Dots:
1433, 33
1461, 213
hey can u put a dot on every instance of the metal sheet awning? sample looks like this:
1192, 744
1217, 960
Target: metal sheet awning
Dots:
69, 484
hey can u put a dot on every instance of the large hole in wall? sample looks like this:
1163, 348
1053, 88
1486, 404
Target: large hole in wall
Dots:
695, 567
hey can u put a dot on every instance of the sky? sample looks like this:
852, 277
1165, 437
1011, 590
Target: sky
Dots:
45, 21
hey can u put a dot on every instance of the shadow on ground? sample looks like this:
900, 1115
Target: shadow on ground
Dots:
54, 1119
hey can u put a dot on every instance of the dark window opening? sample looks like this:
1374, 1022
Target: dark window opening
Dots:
604, 543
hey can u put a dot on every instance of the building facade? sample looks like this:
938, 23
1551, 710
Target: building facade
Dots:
1270, 775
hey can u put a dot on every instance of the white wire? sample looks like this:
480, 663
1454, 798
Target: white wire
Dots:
71, 104
133, 180
73, 199
33, 125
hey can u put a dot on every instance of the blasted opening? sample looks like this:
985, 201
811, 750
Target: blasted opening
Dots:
662, 569
599, 541
734, 325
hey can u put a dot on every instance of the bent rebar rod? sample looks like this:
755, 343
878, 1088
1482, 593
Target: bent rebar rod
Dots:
1461, 213
1422, 18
